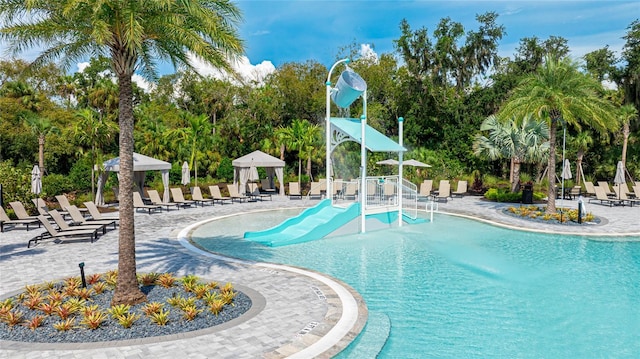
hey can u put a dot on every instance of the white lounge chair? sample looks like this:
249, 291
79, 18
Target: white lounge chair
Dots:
294, 190
216, 195
97, 215
53, 233
6, 220
196, 195
154, 196
64, 226
138, 203
444, 192
603, 198
461, 190
20, 211
254, 192
178, 197
425, 190
235, 195
79, 219
64, 203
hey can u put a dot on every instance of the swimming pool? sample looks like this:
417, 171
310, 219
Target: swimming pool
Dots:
459, 288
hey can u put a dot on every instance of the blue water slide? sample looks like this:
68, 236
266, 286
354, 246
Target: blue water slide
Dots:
312, 223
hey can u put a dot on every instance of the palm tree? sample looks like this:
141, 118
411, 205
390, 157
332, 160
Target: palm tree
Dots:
302, 137
522, 141
193, 138
41, 127
581, 143
135, 34
627, 114
560, 94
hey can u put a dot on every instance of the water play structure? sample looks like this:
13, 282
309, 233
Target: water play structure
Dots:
350, 206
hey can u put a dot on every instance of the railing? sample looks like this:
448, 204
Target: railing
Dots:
409, 199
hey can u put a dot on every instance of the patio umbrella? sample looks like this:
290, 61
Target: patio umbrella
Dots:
186, 178
415, 163
36, 180
619, 178
390, 162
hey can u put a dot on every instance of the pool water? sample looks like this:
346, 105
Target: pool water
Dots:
459, 288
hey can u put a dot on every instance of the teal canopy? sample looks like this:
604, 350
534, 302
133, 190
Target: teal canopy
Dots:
374, 140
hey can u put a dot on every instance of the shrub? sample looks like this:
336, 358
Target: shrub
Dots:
225, 169
56, 184
80, 175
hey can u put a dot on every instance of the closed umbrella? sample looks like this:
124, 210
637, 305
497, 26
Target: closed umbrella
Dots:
186, 178
566, 170
619, 178
36, 180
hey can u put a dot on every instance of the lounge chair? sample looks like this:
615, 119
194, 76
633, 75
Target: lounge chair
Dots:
42, 207
425, 190
337, 188
350, 190
64, 226
444, 192
196, 195
294, 190
389, 192
20, 211
266, 185
78, 219
605, 186
53, 233
138, 203
254, 192
96, 214
64, 204
178, 197
216, 195
590, 189
6, 220
603, 198
461, 190
235, 195
636, 190
154, 196
315, 192
622, 195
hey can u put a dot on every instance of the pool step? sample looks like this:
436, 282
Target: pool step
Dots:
371, 340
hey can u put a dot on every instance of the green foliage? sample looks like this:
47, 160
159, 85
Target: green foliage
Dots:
55, 184
505, 195
16, 183
80, 175
225, 170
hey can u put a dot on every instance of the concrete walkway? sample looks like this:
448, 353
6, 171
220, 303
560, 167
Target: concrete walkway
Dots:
306, 314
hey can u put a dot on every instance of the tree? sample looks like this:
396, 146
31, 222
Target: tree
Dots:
520, 140
301, 136
193, 137
557, 92
627, 114
581, 143
41, 127
135, 34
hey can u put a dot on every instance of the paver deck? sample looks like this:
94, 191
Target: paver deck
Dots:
296, 321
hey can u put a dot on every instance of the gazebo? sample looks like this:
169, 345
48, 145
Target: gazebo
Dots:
141, 164
245, 169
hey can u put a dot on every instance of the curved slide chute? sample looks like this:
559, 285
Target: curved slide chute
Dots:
313, 223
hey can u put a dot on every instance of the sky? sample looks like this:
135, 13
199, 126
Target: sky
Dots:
276, 32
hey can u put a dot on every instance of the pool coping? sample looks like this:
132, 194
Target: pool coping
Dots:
346, 315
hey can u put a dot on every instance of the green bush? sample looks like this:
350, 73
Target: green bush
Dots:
16, 184
225, 170
80, 175
55, 184
504, 195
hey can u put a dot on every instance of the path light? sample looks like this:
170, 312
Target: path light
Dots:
84, 281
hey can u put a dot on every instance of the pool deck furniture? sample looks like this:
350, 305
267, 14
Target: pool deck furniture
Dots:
79, 219
235, 195
51, 232
138, 203
178, 197
154, 196
622, 195
294, 190
64, 226
607, 190
426, 187
461, 190
96, 214
196, 195
444, 192
604, 199
255, 194
64, 204
590, 189
216, 195
21, 211
6, 220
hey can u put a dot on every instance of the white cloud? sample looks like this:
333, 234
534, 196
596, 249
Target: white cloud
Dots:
367, 52
249, 73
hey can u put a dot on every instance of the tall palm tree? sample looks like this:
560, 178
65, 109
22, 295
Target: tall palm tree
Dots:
300, 136
581, 143
42, 127
193, 137
135, 34
627, 114
557, 92
521, 140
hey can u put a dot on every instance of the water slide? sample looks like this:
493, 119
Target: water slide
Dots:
312, 223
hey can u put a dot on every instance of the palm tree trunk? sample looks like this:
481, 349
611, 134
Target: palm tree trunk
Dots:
625, 134
551, 170
127, 290
41, 153
578, 167
515, 184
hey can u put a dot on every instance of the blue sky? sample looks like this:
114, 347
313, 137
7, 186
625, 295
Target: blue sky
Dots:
296, 31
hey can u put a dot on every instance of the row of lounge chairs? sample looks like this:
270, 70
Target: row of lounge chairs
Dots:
444, 190
155, 202
620, 196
